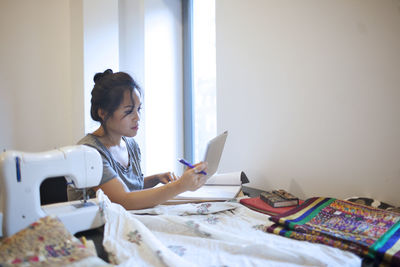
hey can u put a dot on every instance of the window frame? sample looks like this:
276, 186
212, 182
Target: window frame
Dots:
187, 33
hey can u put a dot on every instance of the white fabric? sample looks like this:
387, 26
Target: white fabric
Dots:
206, 234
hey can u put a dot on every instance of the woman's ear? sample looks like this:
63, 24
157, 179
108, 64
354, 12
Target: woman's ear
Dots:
102, 114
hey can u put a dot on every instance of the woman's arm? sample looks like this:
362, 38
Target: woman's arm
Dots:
153, 180
117, 192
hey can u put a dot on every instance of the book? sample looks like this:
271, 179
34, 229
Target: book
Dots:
257, 204
219, 187
279, 198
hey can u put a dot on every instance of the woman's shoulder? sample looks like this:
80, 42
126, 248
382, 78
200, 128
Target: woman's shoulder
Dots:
89, 139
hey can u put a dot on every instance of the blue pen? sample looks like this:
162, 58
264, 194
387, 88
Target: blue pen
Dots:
190, 165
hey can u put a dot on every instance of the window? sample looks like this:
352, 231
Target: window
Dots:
163, 86
202, 124
145, 40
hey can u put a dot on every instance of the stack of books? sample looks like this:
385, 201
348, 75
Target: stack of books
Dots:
279, 198
272, 202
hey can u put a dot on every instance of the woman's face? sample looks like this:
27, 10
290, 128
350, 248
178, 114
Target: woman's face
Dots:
125, 120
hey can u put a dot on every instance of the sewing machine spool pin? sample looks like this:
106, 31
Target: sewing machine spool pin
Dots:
84, 195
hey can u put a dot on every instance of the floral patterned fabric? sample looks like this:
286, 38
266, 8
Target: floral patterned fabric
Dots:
366, 231
206, 234
46, 243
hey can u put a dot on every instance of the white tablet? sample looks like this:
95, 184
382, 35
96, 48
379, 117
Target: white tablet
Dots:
213, 153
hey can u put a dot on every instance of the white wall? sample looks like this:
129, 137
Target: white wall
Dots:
131, 54
49, 55
77, 70
310, 93
35, 73
100, 45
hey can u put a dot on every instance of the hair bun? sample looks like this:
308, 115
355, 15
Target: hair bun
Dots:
100, 75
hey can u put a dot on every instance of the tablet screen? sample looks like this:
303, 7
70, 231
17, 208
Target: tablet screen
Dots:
213, 153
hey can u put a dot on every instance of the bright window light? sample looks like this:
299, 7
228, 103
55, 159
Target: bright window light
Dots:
163, 86
204, 75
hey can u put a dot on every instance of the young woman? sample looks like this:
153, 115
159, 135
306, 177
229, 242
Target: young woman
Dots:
116, 105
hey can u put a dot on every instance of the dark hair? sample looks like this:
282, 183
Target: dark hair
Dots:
108, 92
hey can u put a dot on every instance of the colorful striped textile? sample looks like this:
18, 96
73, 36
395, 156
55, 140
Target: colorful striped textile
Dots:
366, 231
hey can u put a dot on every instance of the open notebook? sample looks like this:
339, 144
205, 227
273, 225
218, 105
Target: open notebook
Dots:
218, 187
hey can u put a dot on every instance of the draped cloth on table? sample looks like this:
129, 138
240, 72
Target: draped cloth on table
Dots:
206, 234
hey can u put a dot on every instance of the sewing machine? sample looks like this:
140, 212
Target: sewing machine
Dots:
21, 175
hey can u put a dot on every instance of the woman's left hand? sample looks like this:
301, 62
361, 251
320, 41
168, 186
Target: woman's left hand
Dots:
167, 177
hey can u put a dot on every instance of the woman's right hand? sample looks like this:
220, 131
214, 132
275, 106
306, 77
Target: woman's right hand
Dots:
192, 179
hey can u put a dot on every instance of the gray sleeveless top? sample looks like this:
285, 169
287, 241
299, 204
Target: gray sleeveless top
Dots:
132, 175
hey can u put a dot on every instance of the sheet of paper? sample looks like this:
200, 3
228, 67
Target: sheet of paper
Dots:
230, 178
212, 192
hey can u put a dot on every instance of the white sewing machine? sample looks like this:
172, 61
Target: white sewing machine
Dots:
21, 175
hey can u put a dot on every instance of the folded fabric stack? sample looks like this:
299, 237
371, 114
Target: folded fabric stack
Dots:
366, 231
46, 242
